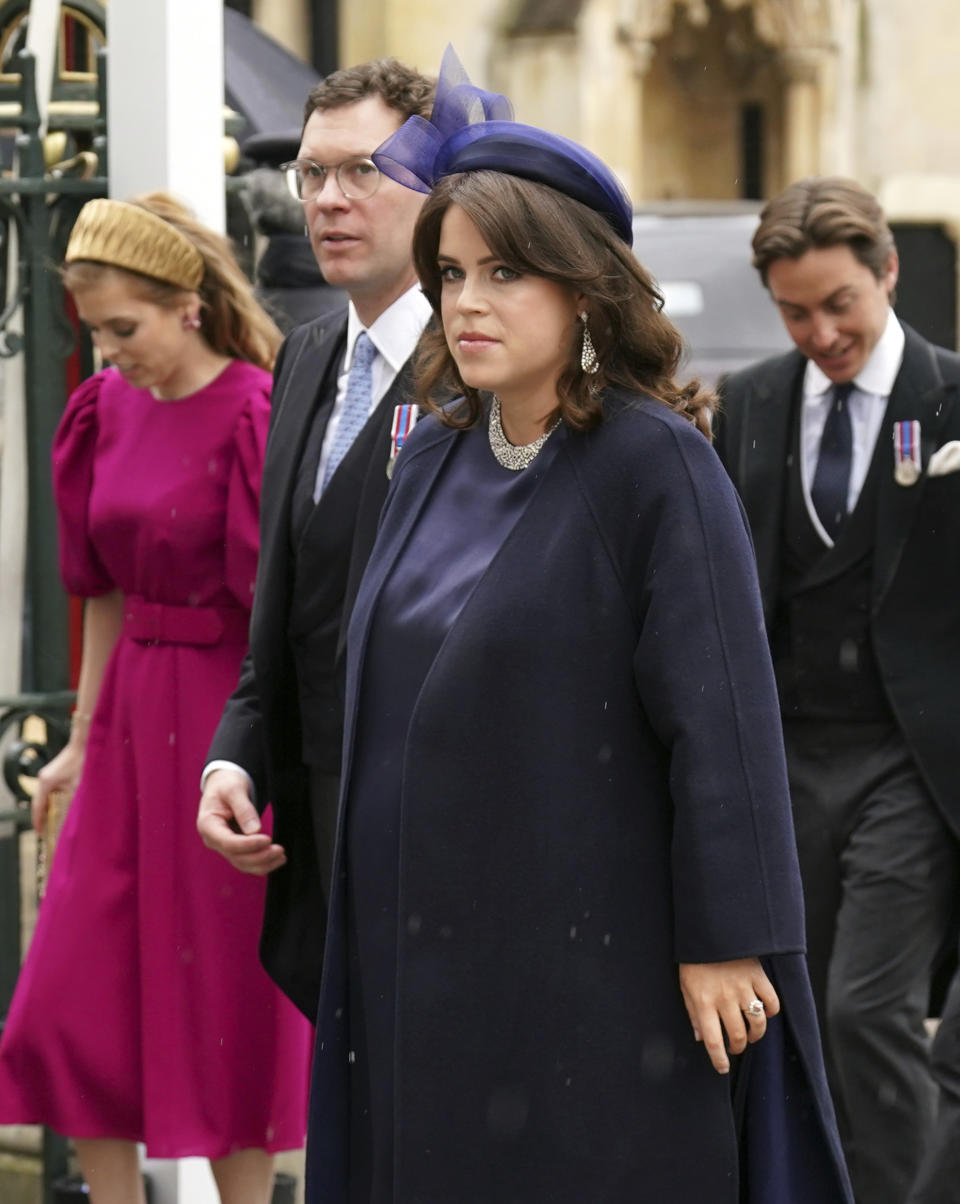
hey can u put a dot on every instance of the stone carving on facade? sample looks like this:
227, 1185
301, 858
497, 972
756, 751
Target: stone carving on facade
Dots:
784, 24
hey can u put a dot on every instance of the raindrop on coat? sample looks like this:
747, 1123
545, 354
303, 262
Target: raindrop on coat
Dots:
507, 1112
887, 1095
656, 1059
849, 656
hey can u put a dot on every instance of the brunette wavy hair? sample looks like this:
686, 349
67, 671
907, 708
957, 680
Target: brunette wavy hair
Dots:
536, 229
231, 319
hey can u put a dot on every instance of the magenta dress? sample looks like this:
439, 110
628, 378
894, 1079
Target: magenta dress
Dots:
142, 1012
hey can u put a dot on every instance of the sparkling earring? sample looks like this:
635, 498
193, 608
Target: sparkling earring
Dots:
191, 321
588, 353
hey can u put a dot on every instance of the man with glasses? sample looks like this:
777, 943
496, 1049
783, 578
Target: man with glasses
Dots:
337, 382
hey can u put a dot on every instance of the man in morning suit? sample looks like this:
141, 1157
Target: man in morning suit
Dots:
336, 384
837, 451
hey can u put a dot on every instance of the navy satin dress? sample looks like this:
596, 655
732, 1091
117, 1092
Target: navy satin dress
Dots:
472, 510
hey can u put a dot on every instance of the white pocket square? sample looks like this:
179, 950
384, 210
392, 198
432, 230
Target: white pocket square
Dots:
945, 459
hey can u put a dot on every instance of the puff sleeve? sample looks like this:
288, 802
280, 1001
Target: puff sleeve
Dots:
74, 455
243, 497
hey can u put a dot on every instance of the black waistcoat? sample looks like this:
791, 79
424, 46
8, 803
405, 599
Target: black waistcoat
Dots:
321, 540
821, 640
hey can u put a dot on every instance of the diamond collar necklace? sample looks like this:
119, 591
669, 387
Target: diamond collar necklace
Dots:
508, 454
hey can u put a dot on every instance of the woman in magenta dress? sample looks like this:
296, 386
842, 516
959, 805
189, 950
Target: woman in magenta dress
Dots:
142, 1013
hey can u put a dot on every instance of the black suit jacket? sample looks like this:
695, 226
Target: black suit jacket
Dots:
915, 603
261, 728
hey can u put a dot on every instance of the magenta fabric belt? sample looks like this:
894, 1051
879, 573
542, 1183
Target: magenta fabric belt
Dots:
155, 623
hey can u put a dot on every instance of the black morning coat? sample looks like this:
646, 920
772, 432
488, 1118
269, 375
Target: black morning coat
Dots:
594, 790
916, 568
261, 724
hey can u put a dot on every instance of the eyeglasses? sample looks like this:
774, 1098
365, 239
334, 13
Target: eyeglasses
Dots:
357, 178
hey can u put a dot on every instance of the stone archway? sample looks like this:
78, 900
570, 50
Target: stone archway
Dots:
734, 94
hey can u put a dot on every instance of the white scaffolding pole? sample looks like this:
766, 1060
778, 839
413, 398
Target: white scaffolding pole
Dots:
13, 497
42, 29
43, 25
165, 101
165, 131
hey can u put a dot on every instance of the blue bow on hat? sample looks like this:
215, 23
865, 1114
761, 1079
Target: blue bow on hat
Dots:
473, 130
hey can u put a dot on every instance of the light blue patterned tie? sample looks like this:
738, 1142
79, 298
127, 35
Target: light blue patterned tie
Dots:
356, 403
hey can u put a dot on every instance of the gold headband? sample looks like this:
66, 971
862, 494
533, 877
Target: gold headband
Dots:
127, 236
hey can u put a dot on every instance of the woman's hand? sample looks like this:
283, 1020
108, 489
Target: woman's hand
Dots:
62, 773
717, 995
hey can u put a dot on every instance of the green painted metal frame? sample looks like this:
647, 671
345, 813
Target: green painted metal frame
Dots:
43, 206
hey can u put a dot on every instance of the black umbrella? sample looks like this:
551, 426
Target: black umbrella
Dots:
263, 81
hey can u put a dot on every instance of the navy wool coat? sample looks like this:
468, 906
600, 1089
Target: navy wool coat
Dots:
593, 791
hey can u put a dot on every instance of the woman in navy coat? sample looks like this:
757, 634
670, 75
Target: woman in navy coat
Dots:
566, 894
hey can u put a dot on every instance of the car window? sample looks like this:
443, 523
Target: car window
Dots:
702, 265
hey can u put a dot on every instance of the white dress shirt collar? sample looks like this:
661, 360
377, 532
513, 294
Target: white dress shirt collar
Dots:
877, 375
867, 405
395, 333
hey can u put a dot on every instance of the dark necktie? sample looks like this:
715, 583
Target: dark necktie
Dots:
831, 481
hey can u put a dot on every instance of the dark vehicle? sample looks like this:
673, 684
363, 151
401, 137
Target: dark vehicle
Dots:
699, 253
701, 262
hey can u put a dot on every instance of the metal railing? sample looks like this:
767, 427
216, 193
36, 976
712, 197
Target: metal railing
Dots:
41, 205
25, 753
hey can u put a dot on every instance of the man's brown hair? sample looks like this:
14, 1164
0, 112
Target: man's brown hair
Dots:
397, 85
823, 211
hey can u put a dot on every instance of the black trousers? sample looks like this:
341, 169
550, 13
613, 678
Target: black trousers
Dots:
880, 873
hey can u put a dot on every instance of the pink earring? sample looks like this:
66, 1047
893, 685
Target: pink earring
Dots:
191, 321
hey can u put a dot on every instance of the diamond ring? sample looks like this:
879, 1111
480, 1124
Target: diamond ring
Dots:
755, 1008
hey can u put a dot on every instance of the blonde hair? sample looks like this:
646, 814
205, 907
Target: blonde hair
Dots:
231, 320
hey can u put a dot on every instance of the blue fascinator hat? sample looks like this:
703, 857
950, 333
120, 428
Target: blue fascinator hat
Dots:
473, 130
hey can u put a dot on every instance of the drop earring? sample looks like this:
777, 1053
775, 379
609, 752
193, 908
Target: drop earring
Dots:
588, 353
